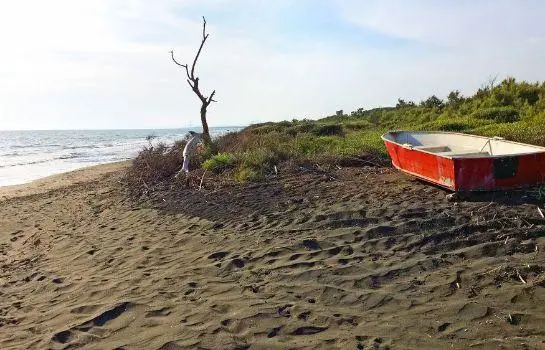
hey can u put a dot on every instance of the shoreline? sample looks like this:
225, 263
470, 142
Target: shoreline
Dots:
26, 156
60, 180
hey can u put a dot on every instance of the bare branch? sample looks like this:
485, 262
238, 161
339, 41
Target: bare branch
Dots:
203, 28
492, 81
174, 59
181, 65
204, 37
211, 98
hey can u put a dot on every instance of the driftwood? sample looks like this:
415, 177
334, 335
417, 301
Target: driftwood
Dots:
202, 179
520, 277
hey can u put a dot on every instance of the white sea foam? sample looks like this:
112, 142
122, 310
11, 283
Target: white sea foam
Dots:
29, 155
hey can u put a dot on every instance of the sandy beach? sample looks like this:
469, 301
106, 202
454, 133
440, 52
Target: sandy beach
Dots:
366, 258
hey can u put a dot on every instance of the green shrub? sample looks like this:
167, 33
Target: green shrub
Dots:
284, 124
219, 162
329, 130
328, 146
265, 129
514, 110
260, 158
456, 126
432, 102
310, 145
532, 133
453, 125
500, 114
300, 129
247, 174
359, 125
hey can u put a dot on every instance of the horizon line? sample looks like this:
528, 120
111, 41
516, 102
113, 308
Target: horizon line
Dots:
123, 129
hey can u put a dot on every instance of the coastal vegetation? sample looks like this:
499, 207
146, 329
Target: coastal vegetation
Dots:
513, 110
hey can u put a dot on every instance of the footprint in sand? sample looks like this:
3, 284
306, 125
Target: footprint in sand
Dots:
311, 244
304, 315
308, 330
65, 336
218, 255
159, 313
443, 326
284, 311
274, 332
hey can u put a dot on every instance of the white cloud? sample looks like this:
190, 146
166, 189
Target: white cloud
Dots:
465, 41
105, 64
456, 24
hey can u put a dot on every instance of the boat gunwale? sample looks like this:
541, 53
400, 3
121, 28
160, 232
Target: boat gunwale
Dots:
542, 149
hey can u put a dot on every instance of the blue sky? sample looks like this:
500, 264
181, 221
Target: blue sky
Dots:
104, 63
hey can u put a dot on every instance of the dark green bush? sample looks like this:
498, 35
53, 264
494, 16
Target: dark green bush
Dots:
451, 126
300, 128
358, 125
432, 102
506, 114
266, 129
329, 130
519, 131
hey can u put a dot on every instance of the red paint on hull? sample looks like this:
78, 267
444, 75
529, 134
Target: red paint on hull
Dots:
478, 174
469, 174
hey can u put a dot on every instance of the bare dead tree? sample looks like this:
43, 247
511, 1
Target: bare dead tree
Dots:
490, 83
193, 82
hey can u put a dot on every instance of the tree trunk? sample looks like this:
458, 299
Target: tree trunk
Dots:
207, 140
193, 82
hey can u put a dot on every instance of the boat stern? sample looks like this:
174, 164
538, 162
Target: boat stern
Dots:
499, 173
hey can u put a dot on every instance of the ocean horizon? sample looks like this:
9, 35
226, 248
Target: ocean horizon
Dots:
28, 155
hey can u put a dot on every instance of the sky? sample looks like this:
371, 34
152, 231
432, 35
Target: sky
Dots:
105, 64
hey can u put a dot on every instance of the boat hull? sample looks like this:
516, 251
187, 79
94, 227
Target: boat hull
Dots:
471, 173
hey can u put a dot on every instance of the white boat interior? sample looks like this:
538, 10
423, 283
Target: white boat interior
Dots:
454, 145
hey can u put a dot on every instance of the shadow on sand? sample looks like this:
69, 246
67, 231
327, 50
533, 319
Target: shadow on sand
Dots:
532, 195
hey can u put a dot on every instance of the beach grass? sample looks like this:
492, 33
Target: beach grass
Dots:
513, 110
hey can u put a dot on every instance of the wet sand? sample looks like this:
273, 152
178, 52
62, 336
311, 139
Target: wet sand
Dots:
368, 259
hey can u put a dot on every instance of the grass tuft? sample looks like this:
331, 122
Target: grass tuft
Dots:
219, 162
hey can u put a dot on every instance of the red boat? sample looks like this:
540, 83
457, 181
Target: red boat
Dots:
462, 162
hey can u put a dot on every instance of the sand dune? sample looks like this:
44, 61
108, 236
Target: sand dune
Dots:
371, 260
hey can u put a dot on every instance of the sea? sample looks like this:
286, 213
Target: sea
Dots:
26, 156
